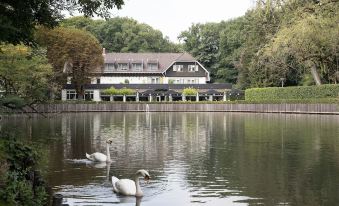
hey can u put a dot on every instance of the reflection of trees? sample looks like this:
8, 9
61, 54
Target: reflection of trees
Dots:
275, 158
271, 157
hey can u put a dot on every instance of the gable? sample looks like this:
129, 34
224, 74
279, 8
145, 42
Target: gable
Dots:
187, 70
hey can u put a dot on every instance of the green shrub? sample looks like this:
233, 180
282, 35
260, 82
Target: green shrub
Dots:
126, 91
190, 92
22, 183
281, 93
111, 91
122, 91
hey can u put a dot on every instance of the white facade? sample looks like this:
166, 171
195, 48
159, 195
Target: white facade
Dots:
128, 80
148, 80
184, 80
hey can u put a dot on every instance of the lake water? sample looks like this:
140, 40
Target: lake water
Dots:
193, 158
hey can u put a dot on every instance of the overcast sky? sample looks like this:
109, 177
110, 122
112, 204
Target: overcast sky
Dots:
174, 16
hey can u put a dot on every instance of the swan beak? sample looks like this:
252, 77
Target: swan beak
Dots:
147, 178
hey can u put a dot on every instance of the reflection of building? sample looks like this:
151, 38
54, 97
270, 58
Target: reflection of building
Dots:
152, 77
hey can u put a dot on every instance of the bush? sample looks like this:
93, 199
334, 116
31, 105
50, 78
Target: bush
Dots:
190, 92
111, 91
122, 91
22, 183
281, 93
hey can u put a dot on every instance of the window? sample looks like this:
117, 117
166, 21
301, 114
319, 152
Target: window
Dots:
155, 80
122, 66
152, 66
109, 67
71, 95
178, 67
192, 68
137, 66
98, 80
89, 95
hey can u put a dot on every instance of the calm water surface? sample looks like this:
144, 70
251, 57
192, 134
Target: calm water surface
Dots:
193, 158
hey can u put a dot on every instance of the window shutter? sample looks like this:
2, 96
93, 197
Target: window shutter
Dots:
196, 68
174, 68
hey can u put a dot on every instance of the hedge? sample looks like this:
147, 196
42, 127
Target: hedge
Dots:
190, 92
122, 91
281, 93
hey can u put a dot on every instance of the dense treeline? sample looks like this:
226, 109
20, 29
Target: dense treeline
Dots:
294, 41
123, 35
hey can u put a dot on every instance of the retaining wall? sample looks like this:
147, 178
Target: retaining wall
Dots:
185, 107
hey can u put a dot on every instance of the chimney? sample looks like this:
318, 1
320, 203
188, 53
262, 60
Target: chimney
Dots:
103, 51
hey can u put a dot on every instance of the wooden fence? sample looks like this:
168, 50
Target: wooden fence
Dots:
203, 107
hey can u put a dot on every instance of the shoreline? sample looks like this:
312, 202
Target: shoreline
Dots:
287, 108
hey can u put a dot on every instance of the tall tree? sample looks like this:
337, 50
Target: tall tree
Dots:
306, 46
72, 52
289, 40
18, 18
123, 34
24, 76
202, 41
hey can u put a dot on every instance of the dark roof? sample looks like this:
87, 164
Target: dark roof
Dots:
164, 60
164, 87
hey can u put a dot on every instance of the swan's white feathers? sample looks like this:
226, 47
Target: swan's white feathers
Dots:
97, 157
125, 187
114, 180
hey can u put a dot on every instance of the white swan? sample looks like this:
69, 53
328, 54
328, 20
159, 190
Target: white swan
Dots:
99, 157
130, 187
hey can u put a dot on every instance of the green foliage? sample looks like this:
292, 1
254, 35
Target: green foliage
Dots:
126, 91
22, 183
190, 92
281, 93
111, 91
123, 35
309, 45
72, 52
24, 75
122, 91
19, 18
202, 41
293, 39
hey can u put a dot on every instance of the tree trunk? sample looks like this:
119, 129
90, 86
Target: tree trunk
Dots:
315, 75
80, 97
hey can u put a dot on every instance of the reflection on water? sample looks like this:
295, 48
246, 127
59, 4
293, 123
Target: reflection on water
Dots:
193, 158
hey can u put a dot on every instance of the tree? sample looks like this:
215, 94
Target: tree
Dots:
123, 35
202, 41
18, 18
24, 76
291, 39
72, 52
305, 46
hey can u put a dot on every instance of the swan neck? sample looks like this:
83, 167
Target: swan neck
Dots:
107, 153
138, 191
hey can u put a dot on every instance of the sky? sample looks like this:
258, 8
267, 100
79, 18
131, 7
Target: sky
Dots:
174, 16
